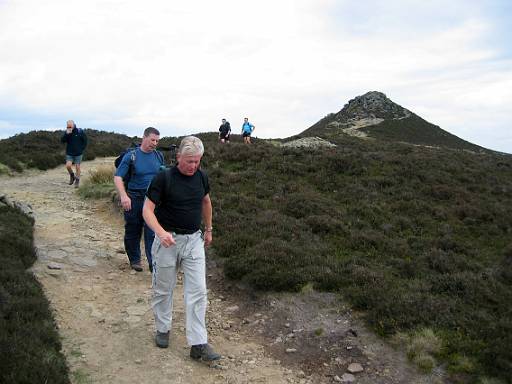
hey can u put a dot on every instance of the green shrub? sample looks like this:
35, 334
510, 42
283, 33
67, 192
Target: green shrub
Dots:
29, 342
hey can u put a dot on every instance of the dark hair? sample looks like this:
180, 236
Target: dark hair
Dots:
150, 130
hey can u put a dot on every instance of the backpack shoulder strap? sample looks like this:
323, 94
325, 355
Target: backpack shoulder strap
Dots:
160, 157
131, 164
168, 182
203, 178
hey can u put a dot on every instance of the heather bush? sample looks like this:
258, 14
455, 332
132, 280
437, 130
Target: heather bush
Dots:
29, 342
416, 237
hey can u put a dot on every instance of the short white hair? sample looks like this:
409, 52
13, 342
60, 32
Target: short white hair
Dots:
192, 146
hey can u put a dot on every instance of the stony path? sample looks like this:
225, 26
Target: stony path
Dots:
103, 308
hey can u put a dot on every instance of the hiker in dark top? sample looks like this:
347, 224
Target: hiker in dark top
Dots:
247, 129
143, 167
176, 201
224, 131
76, 142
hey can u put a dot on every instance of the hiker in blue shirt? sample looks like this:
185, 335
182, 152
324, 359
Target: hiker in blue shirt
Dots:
247, 129
143, 163
76, 141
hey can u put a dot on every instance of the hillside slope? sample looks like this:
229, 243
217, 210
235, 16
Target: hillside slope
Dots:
373, 115
415, 237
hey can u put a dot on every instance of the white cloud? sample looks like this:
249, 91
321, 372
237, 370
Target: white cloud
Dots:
284, 64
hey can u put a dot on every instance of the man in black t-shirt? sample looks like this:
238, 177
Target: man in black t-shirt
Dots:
176, 200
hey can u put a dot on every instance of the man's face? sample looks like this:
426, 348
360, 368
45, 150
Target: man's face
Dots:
69, 126
149, 142
188, 164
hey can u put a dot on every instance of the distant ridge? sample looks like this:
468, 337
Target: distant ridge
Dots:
373, 115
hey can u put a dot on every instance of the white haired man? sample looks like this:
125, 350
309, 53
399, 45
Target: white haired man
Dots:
76, 141
176, 201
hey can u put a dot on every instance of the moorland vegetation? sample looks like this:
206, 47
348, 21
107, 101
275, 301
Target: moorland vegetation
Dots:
417, 238
43, 149
30, 347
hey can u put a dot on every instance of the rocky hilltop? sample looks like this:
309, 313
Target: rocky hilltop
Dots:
371, 105
374, 116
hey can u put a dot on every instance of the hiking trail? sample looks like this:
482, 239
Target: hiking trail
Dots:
102, 309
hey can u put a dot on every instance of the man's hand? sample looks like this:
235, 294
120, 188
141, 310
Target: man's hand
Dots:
207, 238
126, 203
166, 239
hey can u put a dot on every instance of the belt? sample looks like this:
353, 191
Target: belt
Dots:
137, 192
183, 231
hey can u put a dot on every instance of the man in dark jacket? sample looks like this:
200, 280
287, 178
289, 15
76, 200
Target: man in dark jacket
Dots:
76, 141
224, 131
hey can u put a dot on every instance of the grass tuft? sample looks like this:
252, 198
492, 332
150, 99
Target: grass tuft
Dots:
100, 183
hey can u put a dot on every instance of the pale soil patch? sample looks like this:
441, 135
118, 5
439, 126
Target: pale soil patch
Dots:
309, 142
104, 317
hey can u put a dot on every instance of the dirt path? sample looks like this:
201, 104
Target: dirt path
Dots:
103, 310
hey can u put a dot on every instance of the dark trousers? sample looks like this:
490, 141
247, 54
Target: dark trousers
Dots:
133, 228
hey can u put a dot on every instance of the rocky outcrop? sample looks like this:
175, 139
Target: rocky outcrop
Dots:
25, 208
371, 105
309, 142
369, 109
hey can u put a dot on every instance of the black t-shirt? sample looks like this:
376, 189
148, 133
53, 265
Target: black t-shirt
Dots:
178, 198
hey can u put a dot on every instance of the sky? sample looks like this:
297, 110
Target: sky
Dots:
182, 66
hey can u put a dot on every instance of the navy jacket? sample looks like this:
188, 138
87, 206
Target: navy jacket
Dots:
76, 142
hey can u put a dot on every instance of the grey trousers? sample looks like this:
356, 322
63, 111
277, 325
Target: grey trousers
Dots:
187, 253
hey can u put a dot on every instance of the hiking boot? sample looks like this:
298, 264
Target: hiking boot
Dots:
162, 339
204, 352
137, 266
77, 181
71, 178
